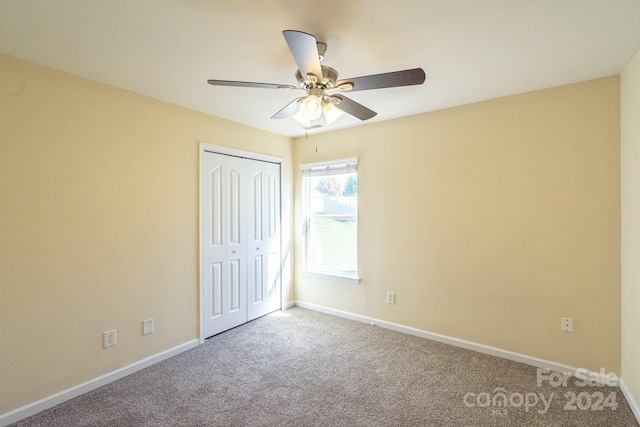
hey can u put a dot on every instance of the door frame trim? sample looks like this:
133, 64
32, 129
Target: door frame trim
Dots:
218, 149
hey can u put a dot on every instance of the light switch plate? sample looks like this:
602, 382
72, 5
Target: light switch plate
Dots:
147, 327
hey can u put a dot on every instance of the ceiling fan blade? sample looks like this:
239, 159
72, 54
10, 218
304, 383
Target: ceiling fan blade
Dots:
249, 84
304, 49
289, 110
415, 76
352, 107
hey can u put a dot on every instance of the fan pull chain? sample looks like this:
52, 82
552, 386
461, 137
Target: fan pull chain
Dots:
306, 136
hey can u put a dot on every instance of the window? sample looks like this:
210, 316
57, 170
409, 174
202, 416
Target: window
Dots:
330, 197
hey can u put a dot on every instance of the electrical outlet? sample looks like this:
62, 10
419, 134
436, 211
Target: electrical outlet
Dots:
109, 338
391, 298
147, 327
566, 324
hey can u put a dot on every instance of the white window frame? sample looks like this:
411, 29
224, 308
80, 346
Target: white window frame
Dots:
326, 168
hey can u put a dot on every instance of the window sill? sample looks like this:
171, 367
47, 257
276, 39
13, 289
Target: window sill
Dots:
332, 276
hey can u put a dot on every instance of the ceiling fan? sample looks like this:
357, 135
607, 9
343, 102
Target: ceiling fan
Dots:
323, 103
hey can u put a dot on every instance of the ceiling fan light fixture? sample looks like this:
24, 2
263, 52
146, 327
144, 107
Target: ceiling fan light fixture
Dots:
311, 107
298, 117
331, 113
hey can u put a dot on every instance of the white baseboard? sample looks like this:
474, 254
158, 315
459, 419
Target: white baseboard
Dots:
480, 348
633, 403
288, 305
55, 399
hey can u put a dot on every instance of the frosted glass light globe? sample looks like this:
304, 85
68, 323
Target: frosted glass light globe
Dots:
311, 107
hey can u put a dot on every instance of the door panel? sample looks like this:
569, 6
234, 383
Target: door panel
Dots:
216, 207
257, 206
235, 278
234, 206
216, 290
265, 245
257, 278
221, 221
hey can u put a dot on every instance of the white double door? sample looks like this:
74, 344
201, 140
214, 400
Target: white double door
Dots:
241, 240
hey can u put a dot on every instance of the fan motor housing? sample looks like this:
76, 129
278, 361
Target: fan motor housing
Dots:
329, 78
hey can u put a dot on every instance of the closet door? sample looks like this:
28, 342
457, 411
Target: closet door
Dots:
263, 278
241, 240
224, 251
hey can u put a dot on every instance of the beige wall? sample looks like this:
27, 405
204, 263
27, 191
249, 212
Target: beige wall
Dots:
630, 153
490, 222
98, 225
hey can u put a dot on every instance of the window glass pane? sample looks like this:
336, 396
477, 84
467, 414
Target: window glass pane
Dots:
334, 195
332, 234
332, 243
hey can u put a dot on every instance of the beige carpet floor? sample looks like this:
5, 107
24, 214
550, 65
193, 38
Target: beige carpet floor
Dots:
302, 368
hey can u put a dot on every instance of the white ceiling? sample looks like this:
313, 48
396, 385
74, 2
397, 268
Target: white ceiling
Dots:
471, 50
